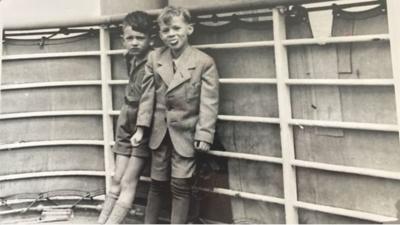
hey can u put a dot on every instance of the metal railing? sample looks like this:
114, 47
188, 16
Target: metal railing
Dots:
282, 81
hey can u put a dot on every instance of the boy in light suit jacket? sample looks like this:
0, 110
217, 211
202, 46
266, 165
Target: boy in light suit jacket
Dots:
180, 100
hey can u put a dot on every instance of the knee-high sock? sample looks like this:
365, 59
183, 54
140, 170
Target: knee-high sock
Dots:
157, 193
181, 189
108, 205
118, 214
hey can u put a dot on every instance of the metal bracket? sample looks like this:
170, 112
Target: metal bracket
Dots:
63, 30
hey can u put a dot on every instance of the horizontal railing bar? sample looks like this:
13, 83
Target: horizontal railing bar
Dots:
298, 204
247, 119
145, 179
50, 55
245, 156
289, 42
49, 31
49, 143
344, 125
56, 198
118, 82
342, 82
238, 155
51, 174
49, 84
222, 81
114, 112
41, 208
50, 114
251, 44
116, 52
347, 169
244, 195
336, 40
247, 81
344, 212
29, 24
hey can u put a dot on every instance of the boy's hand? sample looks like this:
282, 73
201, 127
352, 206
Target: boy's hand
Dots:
137, 138
202, 146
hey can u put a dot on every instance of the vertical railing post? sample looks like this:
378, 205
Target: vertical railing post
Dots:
285, 114
106, 96
1, 55
394, 34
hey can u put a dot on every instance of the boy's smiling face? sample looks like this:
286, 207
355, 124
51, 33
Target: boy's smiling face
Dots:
137, 43
174, 33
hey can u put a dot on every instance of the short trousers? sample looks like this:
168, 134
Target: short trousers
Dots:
126, 127
167, 163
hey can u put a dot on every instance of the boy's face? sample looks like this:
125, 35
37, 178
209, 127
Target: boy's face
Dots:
137, 43
175, 33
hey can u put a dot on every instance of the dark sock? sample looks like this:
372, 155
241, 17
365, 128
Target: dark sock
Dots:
181, 190
157, 193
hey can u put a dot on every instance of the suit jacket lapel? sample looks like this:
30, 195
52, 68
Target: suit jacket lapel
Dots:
165, 67
183, 67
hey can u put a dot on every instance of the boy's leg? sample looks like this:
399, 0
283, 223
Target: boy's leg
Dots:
112, 196
122, 148
118, 214
181, 193
160, 176
108, 205
121, 163
181, 186
123, 151
130, 180
128, 186
157, 194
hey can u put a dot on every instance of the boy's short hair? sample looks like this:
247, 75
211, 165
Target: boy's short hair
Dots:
139, 21
173, 11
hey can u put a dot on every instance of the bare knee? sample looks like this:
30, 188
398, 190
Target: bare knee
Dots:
115, 185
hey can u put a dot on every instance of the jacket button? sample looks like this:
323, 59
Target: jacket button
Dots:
165, 119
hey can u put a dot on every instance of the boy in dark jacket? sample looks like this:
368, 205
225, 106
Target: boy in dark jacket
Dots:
129, 159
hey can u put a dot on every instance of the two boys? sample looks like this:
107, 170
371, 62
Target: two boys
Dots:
180, 106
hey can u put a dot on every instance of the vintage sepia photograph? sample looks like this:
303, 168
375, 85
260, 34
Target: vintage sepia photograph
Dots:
199, 112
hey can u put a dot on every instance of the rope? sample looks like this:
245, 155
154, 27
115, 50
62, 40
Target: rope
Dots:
47, 197
47, 41
40, 197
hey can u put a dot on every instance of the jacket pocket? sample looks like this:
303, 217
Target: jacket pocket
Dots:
193, 90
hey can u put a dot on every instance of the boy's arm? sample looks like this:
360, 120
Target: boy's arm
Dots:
145, 111
208, 112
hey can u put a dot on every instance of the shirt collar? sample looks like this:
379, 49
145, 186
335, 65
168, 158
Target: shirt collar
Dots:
139, 61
